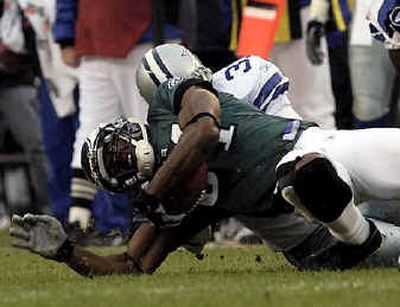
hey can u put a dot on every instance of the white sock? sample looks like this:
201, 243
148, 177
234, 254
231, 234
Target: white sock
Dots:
351, 227
81, 215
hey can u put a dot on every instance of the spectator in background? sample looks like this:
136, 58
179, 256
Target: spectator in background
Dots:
19, 106
211, 29
211, 32
372, 87
310, 92
331, 21
373, 75
57, 97
107, 39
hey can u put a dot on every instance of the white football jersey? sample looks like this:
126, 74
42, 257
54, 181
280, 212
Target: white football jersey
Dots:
384, 19
257, 82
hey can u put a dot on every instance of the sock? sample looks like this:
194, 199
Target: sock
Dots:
350, 227
82, 195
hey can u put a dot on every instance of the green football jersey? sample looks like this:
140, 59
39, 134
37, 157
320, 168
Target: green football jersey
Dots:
251, 144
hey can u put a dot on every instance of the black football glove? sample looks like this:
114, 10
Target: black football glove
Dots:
315, 32
152, 208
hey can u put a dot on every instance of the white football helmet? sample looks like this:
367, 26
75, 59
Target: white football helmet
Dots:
166, 62
118, 155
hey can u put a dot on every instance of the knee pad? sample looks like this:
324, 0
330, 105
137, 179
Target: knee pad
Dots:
321, 191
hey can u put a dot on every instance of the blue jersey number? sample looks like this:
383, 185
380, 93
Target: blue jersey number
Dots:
240, 66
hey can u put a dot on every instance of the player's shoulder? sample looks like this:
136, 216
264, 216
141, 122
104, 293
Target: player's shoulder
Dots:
169, 94
246, 68
164, 95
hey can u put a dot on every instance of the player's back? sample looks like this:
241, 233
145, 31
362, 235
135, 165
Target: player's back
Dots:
258, 82
251, 143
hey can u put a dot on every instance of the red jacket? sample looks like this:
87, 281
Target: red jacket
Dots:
111, 28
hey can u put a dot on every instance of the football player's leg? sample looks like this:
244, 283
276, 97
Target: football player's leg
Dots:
20, 111
124, 80
313, 186
388, 254
395, 57
371, 158
320, 241
372, 94
99, 103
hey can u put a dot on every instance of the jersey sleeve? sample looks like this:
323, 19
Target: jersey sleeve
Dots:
169, 95
256, 81
384, 22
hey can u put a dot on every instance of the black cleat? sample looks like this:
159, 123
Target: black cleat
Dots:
341, 256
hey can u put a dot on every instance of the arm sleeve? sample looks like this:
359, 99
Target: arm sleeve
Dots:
169, 94
64, 26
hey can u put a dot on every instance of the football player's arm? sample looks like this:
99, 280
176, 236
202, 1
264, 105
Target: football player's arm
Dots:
199, 119
147, 249
44, 235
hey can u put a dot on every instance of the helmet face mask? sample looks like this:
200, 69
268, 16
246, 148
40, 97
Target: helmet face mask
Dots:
117, 156
165, 62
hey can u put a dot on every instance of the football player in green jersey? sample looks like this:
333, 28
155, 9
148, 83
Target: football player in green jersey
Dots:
262, 164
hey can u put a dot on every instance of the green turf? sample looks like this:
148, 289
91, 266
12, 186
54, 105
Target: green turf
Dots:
226, 277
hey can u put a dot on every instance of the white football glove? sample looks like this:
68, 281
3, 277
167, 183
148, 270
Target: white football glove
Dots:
40, 234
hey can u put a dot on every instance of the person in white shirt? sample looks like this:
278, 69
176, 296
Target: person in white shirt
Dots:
384, 26
372, 73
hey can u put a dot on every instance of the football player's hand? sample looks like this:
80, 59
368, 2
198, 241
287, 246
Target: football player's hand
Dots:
69, 57
40, 234
315, 32
152, 208
163, 219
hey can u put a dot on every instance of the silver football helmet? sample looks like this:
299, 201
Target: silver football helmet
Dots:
118, 155
166, 62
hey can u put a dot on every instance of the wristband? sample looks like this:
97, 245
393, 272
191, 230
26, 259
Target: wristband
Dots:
65, 252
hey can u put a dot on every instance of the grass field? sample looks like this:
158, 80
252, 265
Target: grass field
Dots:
226, 277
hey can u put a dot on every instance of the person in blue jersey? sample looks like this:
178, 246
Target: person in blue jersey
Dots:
260, 167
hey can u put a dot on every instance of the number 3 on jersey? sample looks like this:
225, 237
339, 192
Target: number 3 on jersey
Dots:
225, 135
241, 66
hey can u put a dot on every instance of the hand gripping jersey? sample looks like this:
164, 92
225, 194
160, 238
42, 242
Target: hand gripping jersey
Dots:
384, 18
251, 144
258, 82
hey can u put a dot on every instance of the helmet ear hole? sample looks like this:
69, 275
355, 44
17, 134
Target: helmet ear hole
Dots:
145, 157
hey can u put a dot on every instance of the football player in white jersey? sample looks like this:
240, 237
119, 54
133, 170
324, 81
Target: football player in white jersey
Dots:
259, 83
384, 18
262, 84
356, 157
